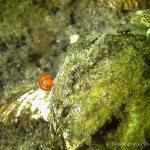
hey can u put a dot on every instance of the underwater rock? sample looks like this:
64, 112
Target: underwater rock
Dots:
101, 79
140, 22
100, 98
101, 90
141, 19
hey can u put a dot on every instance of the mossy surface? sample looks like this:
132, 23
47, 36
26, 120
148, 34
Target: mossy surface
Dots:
31, 39
102, 82
28, 136
100, 98
141, 19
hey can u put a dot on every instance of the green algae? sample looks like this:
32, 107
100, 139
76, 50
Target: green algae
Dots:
28, 136
99, 82
30, 42
100, 98
141, 19
140, 23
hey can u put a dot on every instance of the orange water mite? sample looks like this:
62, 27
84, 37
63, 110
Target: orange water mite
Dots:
45, 82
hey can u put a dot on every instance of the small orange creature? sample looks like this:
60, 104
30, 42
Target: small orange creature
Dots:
45, 82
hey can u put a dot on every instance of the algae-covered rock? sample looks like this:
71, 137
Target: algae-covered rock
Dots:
141, 19
101, 93
140, 22
31, 39
103, 80
100, 98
